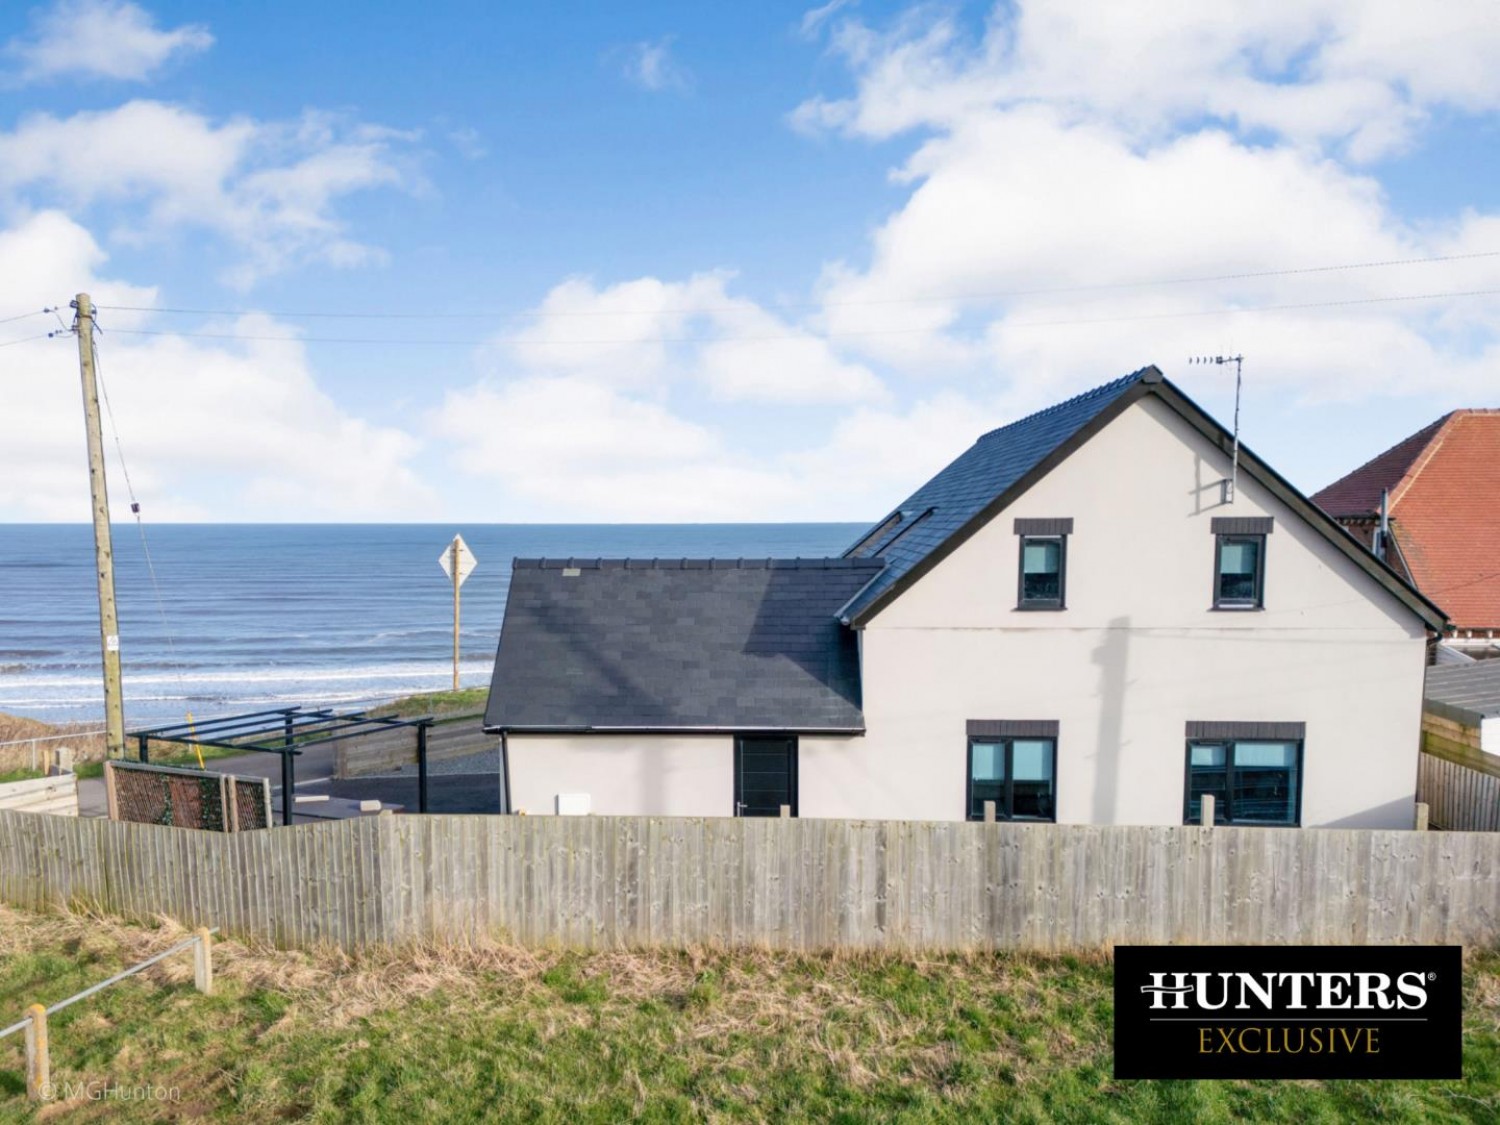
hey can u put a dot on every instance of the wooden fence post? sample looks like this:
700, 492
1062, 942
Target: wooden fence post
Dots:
203, 963
1207, 817
111, 795
1422, 813
989, 812
38, 1065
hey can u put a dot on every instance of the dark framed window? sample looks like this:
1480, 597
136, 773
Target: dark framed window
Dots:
1239, 571
1044, 564
1252, 781
1018, 773
1042, 572
1240, 560
765, 774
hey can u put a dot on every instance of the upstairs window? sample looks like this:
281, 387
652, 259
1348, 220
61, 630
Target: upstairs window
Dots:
1240, 562
1044, 563
1014, 765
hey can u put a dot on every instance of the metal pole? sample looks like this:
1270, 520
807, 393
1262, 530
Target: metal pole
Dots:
288, 777
141, 742
1234, 462
457, 581
104, 555
422, 767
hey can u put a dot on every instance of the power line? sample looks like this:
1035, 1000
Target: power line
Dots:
135, 510
1263, 308
707, 339
696, 310
25, 340
23, 316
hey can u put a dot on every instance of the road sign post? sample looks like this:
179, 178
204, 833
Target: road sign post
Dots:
458, 562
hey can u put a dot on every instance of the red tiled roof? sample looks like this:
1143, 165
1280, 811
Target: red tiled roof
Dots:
1444, 484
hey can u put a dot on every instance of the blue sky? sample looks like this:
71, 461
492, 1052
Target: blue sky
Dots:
719, 262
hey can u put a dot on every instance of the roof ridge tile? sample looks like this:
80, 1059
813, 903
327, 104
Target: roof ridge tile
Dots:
709, 562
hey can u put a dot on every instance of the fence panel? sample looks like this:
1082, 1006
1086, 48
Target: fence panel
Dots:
790, 884
1461, 793
57, 794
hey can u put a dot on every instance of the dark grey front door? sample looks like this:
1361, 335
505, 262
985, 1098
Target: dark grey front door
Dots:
765, 775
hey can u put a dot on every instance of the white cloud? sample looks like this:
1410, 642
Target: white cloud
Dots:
99, 39
268, 187
1040, 169
648, 333
469, 142
588, 410
240, 432
651, 66
815, 19
573, 446
1357, 73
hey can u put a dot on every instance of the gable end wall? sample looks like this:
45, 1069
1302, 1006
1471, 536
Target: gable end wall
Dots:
1138, 652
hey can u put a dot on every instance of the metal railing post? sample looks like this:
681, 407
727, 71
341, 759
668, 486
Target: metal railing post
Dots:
288, 777
422, 765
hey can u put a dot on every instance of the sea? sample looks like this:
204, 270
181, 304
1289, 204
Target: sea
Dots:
229, 618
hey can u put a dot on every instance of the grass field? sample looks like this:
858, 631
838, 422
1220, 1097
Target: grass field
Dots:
463, 701
496, 1033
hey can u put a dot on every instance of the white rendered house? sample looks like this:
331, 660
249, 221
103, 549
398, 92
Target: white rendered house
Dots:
1079, 619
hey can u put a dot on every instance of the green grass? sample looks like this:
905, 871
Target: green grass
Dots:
175, 758
21, 775
493, 1033
466, 700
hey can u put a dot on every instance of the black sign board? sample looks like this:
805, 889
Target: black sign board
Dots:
1236, 1011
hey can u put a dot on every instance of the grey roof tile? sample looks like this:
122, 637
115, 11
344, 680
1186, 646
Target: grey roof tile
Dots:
672, 643
930, 516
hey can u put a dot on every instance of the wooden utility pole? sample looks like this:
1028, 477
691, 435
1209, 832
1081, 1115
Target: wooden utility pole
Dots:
458, 581
104, 555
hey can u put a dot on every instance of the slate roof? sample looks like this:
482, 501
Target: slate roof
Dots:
943, 507
722, 644
1465, 693
933, 521
1444, 486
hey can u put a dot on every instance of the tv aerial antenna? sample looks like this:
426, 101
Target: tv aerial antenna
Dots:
1234, 461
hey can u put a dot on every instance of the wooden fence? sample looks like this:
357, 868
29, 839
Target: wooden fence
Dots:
56, 794
1458, 781
789, 884
1462, 794
382, 751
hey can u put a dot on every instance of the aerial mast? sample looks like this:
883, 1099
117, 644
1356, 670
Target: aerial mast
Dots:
1234, 460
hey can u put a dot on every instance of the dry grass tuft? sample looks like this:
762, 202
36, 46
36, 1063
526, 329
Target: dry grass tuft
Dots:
14, 728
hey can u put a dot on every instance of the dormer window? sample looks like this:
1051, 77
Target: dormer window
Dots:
1044, 563
1240, 562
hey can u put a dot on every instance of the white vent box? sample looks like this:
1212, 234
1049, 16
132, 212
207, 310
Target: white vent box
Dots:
574, 804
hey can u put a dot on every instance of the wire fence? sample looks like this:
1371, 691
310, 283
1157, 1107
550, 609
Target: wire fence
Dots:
26, 753
21, 1025
38, 1047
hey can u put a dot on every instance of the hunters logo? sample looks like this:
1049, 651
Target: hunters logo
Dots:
1225, 1011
